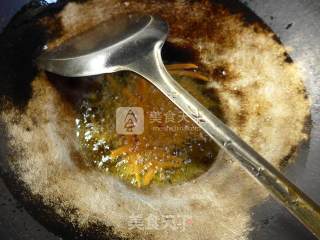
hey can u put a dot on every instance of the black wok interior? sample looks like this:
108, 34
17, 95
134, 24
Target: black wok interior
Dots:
295, 22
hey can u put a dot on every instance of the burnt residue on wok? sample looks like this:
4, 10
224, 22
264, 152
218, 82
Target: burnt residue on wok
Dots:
22, 41
25, 36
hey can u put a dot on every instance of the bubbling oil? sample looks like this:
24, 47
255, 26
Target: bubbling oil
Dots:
171, 149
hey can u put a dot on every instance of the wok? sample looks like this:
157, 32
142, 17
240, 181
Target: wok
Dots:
297, 25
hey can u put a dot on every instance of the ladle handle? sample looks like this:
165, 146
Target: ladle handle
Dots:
299, 204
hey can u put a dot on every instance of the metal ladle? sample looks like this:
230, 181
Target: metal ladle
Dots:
134, 44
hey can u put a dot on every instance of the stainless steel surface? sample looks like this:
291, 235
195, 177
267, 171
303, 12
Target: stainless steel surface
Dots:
136, 46
92, 53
